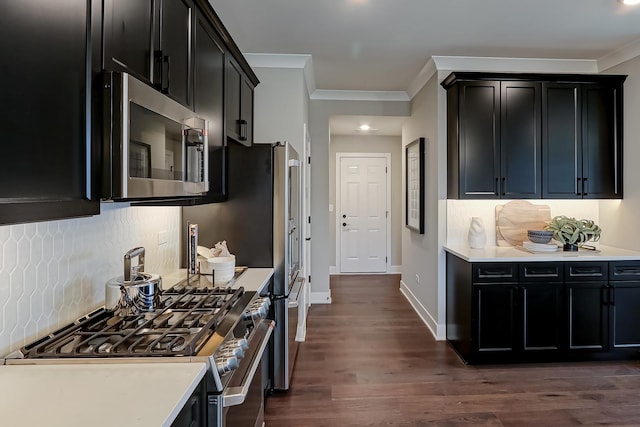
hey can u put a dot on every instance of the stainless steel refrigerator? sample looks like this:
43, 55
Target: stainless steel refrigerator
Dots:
261, 225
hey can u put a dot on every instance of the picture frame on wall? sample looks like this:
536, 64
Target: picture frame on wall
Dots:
414, 185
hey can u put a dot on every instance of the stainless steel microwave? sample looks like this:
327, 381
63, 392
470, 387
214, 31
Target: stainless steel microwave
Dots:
153, 147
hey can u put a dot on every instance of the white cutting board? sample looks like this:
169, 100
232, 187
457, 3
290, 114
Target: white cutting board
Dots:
513, 219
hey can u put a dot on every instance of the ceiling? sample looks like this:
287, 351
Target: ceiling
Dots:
381, 45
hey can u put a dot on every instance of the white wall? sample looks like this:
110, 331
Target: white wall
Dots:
53, 272
280, 106
370, 144
320, 112
619, 219
421, 252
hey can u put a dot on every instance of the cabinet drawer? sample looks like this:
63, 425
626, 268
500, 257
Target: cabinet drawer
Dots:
586, 271
541, 272
493, 273
624, 270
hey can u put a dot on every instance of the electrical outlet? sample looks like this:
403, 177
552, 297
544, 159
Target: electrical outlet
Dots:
163, 237
417, 278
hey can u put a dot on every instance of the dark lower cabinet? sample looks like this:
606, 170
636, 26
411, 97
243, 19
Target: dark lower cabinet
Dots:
495, 318
543, 311
194, 411
48, 160
587, 316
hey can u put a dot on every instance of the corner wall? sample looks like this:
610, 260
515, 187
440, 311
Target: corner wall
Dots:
421, 282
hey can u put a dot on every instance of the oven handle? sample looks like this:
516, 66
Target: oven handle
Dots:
233, 396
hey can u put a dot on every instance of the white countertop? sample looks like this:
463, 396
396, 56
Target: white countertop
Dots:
99, 395
512, 254
253, 279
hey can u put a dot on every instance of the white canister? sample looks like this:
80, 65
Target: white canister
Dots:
477, 233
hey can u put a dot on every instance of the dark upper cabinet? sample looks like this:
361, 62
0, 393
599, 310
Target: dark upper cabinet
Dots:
532, 135
582, 139
494, 140
152, 41
209, 69
48, 164
520, 141
239, 103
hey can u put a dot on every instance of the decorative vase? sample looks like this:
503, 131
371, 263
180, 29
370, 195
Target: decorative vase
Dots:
477, 234
570, 247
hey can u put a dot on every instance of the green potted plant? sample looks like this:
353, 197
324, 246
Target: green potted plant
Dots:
573, 232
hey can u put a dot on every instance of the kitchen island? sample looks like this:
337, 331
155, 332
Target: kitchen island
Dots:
507, 305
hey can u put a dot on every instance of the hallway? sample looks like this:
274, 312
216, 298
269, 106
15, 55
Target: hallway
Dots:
370, 361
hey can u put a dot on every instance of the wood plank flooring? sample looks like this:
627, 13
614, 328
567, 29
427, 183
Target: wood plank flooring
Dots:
370, 361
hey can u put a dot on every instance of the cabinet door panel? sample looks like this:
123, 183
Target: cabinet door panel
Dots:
520, 145
175, 41
247, 112
233, 82
44, 165
588, 321
600, 161
209, 101
129, 37
561, 141
542, 316
625, 314
479, 139
495, 321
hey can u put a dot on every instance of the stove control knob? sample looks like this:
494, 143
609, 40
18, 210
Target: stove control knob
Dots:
232, 350
226, 364
240, 342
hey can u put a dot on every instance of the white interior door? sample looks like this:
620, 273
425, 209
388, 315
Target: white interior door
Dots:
362, 215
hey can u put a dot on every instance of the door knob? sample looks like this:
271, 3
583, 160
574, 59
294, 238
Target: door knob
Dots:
344, 224
344, 216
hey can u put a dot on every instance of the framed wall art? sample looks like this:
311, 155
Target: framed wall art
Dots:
414, 186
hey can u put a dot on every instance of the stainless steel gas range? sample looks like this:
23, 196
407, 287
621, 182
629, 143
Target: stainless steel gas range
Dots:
225, 328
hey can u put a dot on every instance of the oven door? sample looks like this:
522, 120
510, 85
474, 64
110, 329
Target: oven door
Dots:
243, 397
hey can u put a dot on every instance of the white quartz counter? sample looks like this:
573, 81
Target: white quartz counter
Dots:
97, 395
253, 279
512, 254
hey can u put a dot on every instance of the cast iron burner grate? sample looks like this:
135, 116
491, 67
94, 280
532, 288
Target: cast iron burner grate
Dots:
188, 318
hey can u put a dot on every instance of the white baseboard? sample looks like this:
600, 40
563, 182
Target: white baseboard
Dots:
438, 331
321, 297
394, 269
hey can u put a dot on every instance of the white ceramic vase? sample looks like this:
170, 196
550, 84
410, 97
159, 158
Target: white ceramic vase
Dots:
477, 233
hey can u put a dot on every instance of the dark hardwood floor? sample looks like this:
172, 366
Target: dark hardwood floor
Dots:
370, 361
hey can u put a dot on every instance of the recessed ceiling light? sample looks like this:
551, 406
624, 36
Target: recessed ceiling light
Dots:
364, 127
630, 2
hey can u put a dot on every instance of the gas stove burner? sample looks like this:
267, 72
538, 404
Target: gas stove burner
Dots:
188, 316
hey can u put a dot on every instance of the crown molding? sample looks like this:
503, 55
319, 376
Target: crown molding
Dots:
618, 56
515, 65
424, 75
359, 95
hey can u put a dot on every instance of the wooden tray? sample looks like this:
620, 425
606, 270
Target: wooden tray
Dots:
515, 218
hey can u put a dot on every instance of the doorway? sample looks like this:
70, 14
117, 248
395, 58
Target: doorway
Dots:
363, 218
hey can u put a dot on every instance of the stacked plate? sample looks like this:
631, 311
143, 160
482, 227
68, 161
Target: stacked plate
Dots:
539, 247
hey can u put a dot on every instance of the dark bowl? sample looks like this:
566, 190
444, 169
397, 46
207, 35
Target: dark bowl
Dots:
539, 236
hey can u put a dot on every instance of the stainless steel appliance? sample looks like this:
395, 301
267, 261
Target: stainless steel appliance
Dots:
152, 146
223, 327
261, 225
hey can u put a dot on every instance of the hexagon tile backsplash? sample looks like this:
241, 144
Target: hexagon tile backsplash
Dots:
53, 272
